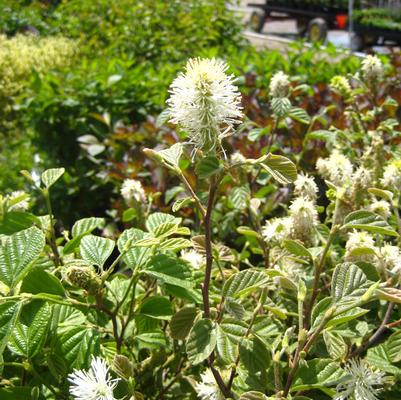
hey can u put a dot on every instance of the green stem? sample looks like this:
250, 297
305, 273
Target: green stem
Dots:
52, 241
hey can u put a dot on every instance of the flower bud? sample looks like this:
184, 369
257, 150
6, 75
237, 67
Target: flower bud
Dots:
85, 277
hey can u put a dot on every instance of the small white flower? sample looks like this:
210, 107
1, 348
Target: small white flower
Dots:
391, 257
362, 382
359, 240
21, 205
341, 85
194, 258
337, 168
392, 176
304, 218
237, 158
279, 85
361, 178
207, 388
381, 207
132, 190
372, 67
95, 384
305, 186
205, 102
276, 229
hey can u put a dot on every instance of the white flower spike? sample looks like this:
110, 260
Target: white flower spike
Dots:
95, 384
132, 190
205, 102
279, 84
362, 382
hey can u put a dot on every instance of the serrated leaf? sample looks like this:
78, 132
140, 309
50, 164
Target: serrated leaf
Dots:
151, 340
175, 244
157, 307
368, 221
170, 270
227, 351
77, 345
384, 194
9, 313
234, 330
170, 157
240, 197
180, 203
51, 176
393, 347
17, 252
280, 106
135, 256
39, 281
281, 168
234, 308
157, 222
317, 374
85, 226
297, 248
300, 115
243, 282
324, 135
182, 322
348, 281
29, 333
15, 221
96, 250
378, 357
201, 341
207, 167
254, 355
335, 344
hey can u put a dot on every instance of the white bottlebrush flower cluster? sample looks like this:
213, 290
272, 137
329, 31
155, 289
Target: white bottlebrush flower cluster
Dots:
341, 85
237, 158
336, 168
361, 383
132, 191
381, 207
279, 84
195, 259
205, 102
357, 241
95, 384
306, 186
207, 388
372, 68
302, 216
392, 176
391, 257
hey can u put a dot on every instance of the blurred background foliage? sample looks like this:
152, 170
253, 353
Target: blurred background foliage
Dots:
94, 109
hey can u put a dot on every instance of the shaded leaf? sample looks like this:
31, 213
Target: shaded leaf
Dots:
201, 341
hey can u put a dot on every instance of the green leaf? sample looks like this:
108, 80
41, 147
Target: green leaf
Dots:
300, 115
151, 340
39, 281
254, 355
17, 252
170, 270
348, 281
162, 118
16, 393
389, 294
335, 344
180, 203
368, 221
51, 176
207, 167
77, 345
234, 330
201, 341
29, 333
170, 157
378, 357
240, 197
129, 214
175, 244
234, 308
281, 106
244, 282
317, 374
297, 248
157, 307
9, 313
393, 347
135, 256
182, 322
227, 351
324, 135
15, 221
96, 250
85, 226
159, 223
281, 168
384, 194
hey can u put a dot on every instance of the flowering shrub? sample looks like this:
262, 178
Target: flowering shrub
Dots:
260, 281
